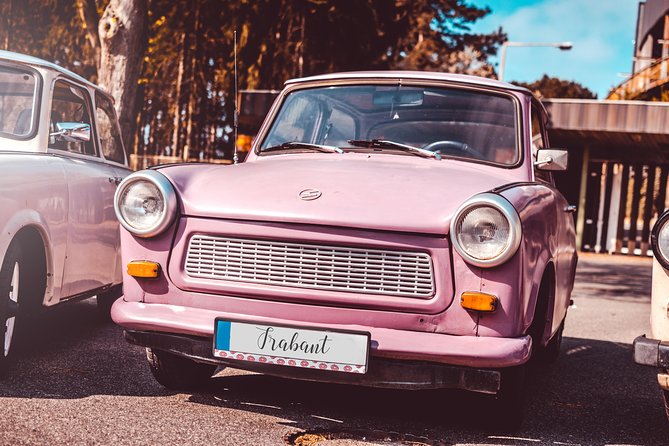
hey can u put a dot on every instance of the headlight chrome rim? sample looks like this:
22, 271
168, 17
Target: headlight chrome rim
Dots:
661, 223
507, 210
166, 190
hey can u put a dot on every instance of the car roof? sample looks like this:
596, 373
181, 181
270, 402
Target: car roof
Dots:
413, 75
37, 62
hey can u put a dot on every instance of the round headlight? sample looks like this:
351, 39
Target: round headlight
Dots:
145, 203
486, 230
659, 240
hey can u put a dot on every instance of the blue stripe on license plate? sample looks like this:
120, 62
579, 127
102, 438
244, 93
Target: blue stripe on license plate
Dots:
223, 335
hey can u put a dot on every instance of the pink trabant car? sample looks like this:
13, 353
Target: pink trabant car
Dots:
391, 229
61, 158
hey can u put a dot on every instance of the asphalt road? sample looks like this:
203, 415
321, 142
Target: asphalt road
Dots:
77, 382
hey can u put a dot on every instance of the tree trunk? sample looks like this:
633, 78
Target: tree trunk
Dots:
88, 12
8, 34
192, 82
177, 100
122, 31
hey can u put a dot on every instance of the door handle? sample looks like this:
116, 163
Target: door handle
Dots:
570, 209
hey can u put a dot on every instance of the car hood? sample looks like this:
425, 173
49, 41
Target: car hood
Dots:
376, 191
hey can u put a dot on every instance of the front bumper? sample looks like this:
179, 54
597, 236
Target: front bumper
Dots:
651, 352
382, 372
394, 344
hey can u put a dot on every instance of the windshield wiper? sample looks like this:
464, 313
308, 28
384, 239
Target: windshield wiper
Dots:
304, 145
382, 144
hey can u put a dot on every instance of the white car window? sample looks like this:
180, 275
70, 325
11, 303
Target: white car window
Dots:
110, 136
17, 102
71, 104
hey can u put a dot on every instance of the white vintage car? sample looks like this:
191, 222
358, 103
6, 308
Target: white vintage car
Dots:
62, 158
654, 351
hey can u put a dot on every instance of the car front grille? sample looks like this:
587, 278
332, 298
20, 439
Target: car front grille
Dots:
319, 267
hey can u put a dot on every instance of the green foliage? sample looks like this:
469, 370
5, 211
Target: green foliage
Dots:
553, 87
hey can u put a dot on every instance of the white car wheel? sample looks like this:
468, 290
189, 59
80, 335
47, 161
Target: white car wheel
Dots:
10, 322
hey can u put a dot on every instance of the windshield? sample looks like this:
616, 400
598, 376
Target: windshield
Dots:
451, 122
17, 102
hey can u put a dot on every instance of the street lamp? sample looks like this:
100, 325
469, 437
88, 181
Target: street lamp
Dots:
563, 46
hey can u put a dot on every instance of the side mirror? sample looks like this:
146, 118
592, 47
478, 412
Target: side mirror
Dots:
552, 159
72, 132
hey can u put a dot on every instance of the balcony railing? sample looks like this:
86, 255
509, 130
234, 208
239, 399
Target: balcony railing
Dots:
642, 81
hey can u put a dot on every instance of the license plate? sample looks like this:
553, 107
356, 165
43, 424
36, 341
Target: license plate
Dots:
339, 351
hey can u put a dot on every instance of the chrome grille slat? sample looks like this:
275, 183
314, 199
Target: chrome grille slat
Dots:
340, 256
346, 279
335, 268
339, 270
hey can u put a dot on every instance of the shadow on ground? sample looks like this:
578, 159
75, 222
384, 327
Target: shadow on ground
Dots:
594, 394
69, 352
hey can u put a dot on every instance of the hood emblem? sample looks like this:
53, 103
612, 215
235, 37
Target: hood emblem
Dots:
309, 194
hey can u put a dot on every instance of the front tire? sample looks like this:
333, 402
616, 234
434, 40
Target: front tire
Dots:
176, 372
551, 352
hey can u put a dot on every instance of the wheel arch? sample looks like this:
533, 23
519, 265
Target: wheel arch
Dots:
30, 230
543, 299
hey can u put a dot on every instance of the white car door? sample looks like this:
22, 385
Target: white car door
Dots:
92, 236
111, 146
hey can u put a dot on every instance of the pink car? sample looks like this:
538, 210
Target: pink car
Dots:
390, 229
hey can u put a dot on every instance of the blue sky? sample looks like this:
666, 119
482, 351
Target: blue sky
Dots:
602, 32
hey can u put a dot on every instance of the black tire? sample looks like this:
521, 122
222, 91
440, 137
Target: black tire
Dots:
16, 305
665, 399
508, 406
106, 300
551, 352
176, 372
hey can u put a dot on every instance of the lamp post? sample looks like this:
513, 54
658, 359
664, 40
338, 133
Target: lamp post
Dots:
563, 46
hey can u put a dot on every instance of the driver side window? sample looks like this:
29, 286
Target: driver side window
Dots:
70, 104
299, 118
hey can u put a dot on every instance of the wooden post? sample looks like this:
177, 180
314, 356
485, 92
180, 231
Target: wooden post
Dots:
662, 192
580, 218
614, 210
606, 206
648, 210
634, 212
622, 212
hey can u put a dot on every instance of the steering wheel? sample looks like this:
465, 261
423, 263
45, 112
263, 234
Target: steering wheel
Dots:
455, 148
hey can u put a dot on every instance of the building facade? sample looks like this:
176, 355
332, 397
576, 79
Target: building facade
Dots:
650, 63
619, 147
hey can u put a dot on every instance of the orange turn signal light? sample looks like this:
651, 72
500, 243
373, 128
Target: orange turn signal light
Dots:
474, 300
143, 268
